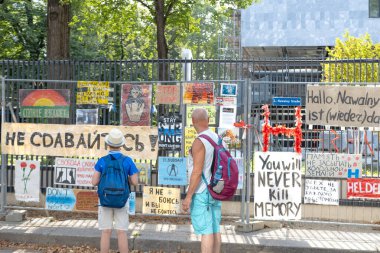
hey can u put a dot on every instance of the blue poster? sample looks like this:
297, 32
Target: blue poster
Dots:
286, 101
170, 132
60, 199
172, 171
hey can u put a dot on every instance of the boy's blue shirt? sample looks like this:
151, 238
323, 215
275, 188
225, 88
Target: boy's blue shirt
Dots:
128, 165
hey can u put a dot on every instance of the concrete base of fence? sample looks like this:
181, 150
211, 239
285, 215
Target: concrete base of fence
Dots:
272, 224
15, 216
249, 227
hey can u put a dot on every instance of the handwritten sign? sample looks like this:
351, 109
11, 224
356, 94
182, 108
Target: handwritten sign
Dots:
27, 180
161, 201
144, 173
71, 171
71, 140
60, 199
44, 103
350, 106
332, 165
168, 94
190, 135
92, 93
277, 185
322, 192
86, 200
170, 132
368, 188
198, 93
211, 111
172, 171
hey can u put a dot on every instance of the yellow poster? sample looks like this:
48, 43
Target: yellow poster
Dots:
211, 111
190, 135
92, 93
161, 200
75, 140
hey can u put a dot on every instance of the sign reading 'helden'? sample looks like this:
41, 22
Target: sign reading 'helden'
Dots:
71, 140
351, 106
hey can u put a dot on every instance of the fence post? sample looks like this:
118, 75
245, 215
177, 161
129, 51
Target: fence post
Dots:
249, 149
3, 156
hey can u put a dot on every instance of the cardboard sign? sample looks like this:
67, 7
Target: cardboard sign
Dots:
71, 171
367, 188
277, 185
168, 94
27, 180
92, 93
161, 201
333, 165
170, 132
71, 140
87, 116
44, 103
135, 104
198, 93
190, 135
322, 192
60, 199
86, 200
144, 173
211, 111
349, 106
172, 171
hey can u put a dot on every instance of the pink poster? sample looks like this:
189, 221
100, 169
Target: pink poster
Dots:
135, 104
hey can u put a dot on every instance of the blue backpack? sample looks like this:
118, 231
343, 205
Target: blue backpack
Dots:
113, 188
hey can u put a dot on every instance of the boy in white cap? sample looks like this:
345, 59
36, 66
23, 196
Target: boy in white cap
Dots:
117, 218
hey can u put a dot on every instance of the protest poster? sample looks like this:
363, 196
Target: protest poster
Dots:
342, 105
190, 135
161, 200
170, 132
227, 116
27, 180
144, 173
135, 104
168, 94
321, 192
71, 171
46, 103
198, 93
131, 203
172, 171
87, 116
60, 199
225, 101
92, 93
86, 200
333, 165
366, 188
240, 164
211, 111
228, 89
277, 185
71, 140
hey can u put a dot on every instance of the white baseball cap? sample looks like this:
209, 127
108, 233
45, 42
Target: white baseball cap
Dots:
115, 138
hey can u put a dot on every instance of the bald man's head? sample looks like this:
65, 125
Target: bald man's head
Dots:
200, 119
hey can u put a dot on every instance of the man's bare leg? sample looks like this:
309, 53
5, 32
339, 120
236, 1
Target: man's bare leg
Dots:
122, 241
217, 243
207, 243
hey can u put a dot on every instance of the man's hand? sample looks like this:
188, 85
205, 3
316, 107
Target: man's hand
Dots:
186, 204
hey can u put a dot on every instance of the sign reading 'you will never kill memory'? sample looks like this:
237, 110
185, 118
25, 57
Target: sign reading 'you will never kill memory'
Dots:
277, 185
349, 106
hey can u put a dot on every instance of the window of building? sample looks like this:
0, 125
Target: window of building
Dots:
374, 8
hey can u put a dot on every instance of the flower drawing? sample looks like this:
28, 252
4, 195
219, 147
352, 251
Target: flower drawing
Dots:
26, 178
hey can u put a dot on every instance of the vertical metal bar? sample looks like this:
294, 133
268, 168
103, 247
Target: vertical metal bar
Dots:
3, 156
245, 155
249, 152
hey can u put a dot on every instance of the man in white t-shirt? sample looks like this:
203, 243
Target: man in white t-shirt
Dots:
205, 211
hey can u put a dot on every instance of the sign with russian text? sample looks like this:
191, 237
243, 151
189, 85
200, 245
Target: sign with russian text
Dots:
170, 132
321, 192
348, 106
277, 185
286, 101
172, 171
211, 111
27, 180
71, 140
168, 94
71, 171
190, 135
60, 199
367, 188
198, 93
135, 104
161, 200
86, 200
44, 103
333, 165
92, 93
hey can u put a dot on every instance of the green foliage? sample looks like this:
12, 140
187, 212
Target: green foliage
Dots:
22, 29
352, 48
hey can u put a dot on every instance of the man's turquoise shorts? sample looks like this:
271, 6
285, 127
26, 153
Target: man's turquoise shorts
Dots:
205, 213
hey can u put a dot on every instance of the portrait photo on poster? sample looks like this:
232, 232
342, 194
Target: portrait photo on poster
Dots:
87, 116
228, 89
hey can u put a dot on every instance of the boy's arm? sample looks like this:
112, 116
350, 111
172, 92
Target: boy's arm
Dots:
133, 180
96, 178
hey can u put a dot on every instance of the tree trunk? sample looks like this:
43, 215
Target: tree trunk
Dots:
162, 47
